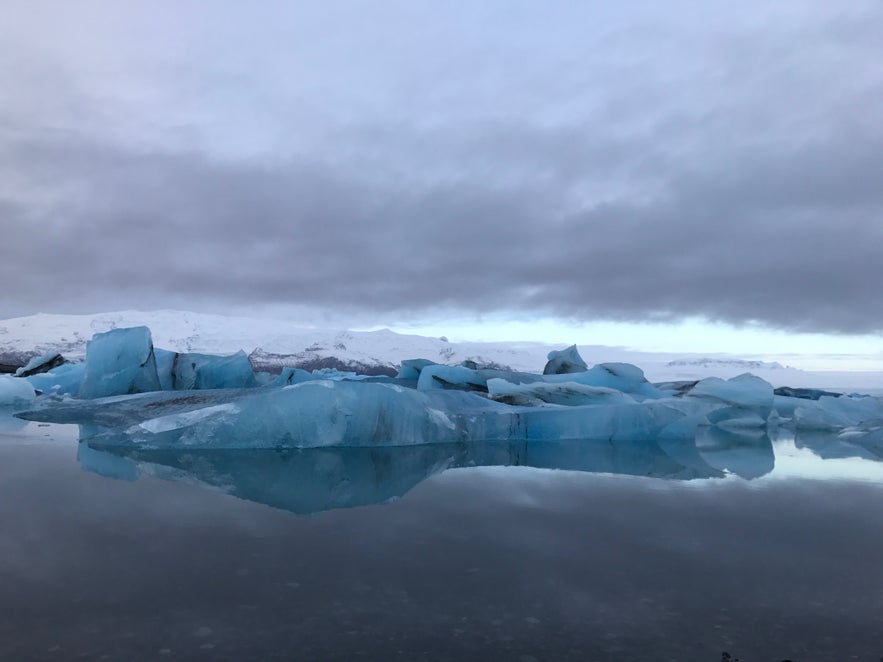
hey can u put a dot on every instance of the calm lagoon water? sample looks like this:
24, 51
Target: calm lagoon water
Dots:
618, 554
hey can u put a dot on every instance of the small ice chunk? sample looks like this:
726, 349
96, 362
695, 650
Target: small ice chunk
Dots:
834, 413
64, 380
207, 371
623, 377
291, 376
565, 361
445, 376
748, 400
15, 392
746, 391
411, 368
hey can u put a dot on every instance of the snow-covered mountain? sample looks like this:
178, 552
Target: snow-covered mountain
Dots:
274, 342
268, 341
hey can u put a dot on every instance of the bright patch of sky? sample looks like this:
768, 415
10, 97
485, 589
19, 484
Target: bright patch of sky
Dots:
811, 351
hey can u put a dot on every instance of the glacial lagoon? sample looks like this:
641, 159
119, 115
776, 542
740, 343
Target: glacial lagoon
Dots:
158, 505
597, 551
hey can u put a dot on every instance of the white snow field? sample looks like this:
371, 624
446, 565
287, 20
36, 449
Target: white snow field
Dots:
286, 342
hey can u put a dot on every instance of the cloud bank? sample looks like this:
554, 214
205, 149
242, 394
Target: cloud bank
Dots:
586, 162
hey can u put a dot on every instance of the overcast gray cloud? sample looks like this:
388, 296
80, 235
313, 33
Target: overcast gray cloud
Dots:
397, 158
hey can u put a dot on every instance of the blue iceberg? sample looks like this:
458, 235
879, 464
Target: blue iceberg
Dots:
131, 395
565, 361
15, 393
746, 400
205, 371
124, 362
66, 379
622, 377
343, 413
118, 362
556, 393
836, 413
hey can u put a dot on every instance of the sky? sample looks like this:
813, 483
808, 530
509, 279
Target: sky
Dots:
702, 172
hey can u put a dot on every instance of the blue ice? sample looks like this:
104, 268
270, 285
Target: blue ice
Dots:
15, 392
133, 395
120, 361
64, 380
565, 361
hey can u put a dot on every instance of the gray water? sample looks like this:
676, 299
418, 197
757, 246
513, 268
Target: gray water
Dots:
759, 549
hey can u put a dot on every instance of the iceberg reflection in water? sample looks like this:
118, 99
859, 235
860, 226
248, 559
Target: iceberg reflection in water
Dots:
868, 446
311, 480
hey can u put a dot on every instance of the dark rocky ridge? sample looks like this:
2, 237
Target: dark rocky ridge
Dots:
12, 361
274, 363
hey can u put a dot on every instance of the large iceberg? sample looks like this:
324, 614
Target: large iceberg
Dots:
131, 395
343, 413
